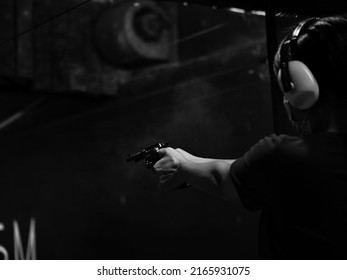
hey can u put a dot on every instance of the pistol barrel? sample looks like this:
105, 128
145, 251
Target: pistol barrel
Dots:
136, 157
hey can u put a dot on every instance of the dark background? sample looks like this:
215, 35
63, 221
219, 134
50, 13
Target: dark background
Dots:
66, 131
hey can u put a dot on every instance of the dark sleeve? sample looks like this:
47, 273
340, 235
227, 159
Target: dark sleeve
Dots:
254, 174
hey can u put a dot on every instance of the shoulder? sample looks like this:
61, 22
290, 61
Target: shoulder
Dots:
279, 140
273, 145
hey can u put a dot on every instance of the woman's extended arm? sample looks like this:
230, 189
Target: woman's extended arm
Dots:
209, 175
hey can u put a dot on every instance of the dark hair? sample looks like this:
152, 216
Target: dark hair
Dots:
322, 46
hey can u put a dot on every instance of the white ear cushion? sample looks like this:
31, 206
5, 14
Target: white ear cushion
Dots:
305, 92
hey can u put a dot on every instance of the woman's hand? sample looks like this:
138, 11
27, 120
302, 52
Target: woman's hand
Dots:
169, 168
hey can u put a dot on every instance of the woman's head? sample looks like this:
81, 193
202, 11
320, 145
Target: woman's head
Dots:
319, 46
322, 47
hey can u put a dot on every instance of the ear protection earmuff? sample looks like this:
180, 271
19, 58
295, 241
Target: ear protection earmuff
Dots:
295, 79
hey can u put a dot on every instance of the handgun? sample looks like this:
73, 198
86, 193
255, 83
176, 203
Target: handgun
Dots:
149, 154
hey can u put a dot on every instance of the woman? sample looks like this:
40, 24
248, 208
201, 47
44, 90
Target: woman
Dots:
298, 182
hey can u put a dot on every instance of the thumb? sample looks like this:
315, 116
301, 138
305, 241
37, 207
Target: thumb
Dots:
162, 152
